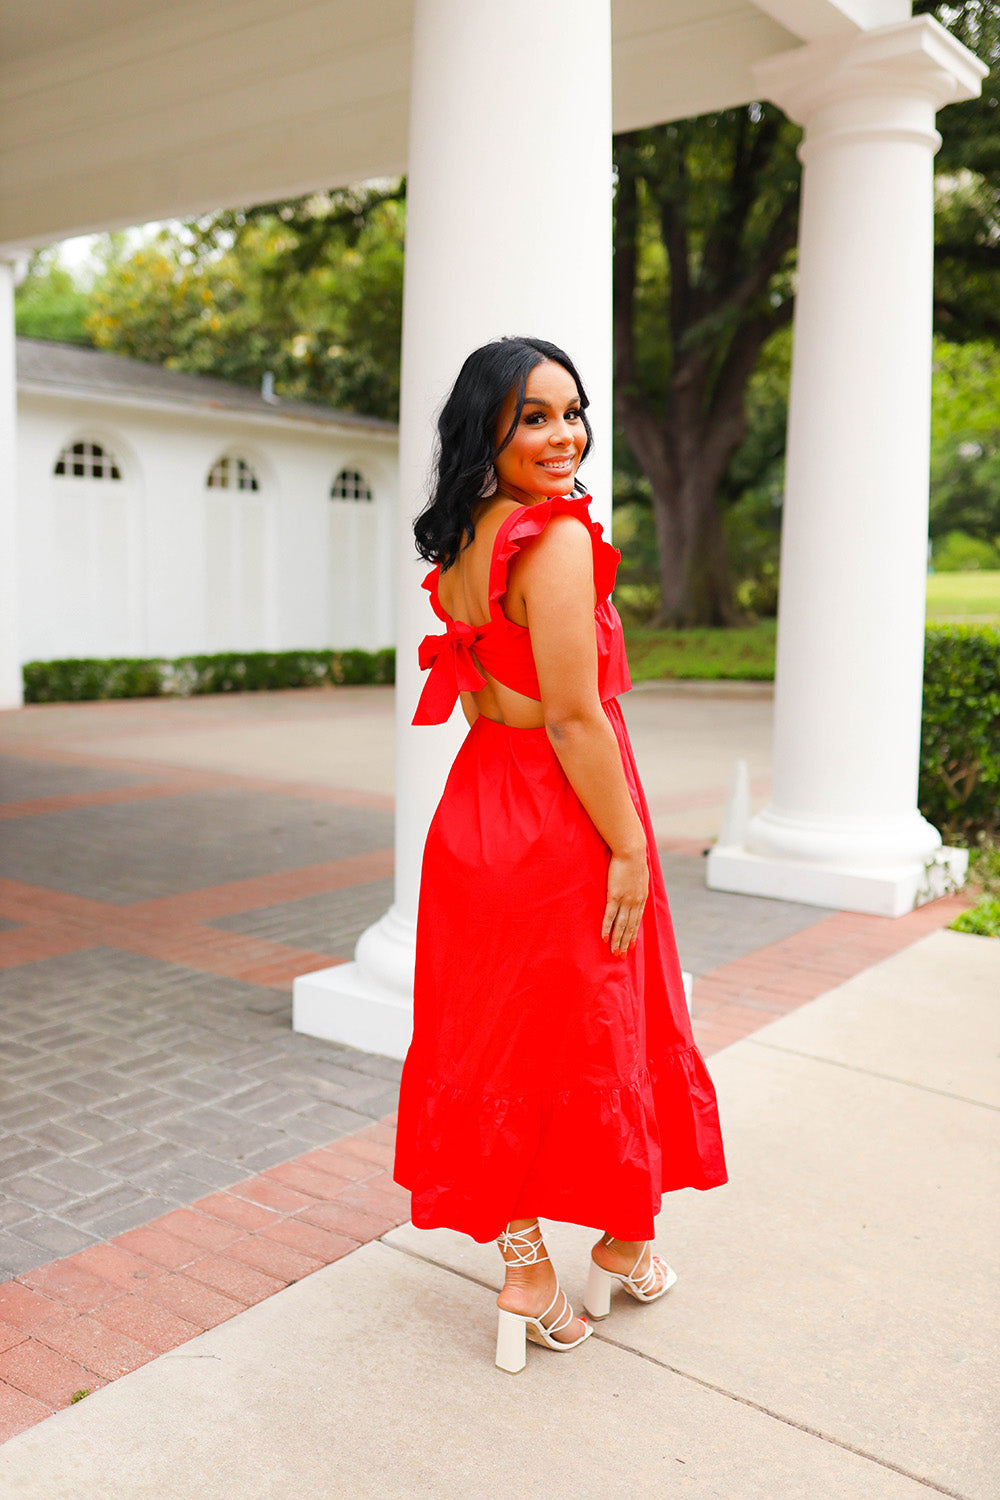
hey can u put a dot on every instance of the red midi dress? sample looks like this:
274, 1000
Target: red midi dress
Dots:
547, 1076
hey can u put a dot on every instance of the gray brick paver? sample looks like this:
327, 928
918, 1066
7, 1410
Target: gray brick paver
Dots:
18, 1256
24, 1120
84, 1212
76, 1177
60, 1137
37, 1191
131, 1217
101, 1127
178, 1082
74, 1092
165, 846
52, 1235
24, 1159
13, 1213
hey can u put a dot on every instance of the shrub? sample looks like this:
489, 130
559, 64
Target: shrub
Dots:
983, 918
960, 553
960, 744
77, 681
80, 681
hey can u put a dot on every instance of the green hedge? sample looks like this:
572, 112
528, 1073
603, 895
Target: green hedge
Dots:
233, 672
960, 745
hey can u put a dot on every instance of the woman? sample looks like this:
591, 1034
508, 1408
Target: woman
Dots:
552, 1070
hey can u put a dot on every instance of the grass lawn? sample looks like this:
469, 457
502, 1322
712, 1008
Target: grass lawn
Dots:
964, 596
748, 653
709, 654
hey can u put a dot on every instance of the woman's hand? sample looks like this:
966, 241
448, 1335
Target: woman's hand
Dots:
628, 886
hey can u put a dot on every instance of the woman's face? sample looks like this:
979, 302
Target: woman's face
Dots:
544, 453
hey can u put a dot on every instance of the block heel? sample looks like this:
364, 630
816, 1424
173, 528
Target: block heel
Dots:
514, 1329
597, 1297
512, 1340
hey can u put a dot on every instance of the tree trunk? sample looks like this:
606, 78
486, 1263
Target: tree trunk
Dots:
684, 457
694, 563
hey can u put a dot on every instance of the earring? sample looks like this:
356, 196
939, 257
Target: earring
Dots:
489, 484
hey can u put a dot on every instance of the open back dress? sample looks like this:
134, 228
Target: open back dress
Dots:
547, 1076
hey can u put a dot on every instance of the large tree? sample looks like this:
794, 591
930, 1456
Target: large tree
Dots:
706, 215
967, 231
706, 222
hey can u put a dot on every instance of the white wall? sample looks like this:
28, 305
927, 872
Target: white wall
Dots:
157, 564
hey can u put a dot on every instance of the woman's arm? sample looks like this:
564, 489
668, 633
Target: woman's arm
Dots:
555, 580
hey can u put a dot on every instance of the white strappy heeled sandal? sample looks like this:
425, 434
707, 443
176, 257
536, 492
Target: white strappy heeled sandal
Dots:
644, 1288
514, 1329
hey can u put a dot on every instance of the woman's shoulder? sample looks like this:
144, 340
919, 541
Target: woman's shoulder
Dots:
557, 530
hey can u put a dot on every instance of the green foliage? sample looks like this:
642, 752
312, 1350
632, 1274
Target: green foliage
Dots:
75, 681
699, 268
309, 290
984, 866
965, 442
705, 224
960, 744
967, 273
957, 552
49, 303
983, 918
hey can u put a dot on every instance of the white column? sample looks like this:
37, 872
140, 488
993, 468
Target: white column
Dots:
11, 691
842, 828
508, 231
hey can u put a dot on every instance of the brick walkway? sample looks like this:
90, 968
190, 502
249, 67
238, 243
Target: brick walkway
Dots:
166, 1134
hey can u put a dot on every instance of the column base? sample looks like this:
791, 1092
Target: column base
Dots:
342, 1004
369, 1003
881, 891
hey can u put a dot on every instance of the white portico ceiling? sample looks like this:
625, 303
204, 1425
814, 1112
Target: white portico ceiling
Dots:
113, 112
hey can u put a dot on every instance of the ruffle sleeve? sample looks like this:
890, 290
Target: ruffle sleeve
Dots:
530, 521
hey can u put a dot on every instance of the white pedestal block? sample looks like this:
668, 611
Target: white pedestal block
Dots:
886, 891
369, 1003
343, 1005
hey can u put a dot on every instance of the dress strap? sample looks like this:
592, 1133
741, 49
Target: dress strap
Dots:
523, 525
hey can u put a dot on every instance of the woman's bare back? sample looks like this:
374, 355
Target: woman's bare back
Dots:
464, 592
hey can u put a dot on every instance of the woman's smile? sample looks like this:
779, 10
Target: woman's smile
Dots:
542, 454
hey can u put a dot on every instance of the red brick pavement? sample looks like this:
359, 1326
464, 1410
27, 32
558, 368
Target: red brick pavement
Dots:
732, 1001
77, 1323
172, 927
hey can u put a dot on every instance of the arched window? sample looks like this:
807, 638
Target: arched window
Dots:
350, 485
87, 460
231, 473
92, 524
235, 556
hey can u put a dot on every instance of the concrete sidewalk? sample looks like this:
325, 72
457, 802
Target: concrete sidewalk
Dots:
831, 1335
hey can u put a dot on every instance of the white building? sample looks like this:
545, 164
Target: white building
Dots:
167, 514
115, 112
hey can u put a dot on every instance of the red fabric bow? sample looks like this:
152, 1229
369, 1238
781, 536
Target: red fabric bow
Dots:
452, 669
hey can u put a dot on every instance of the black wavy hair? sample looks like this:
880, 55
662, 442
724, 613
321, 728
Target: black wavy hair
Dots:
467, 438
